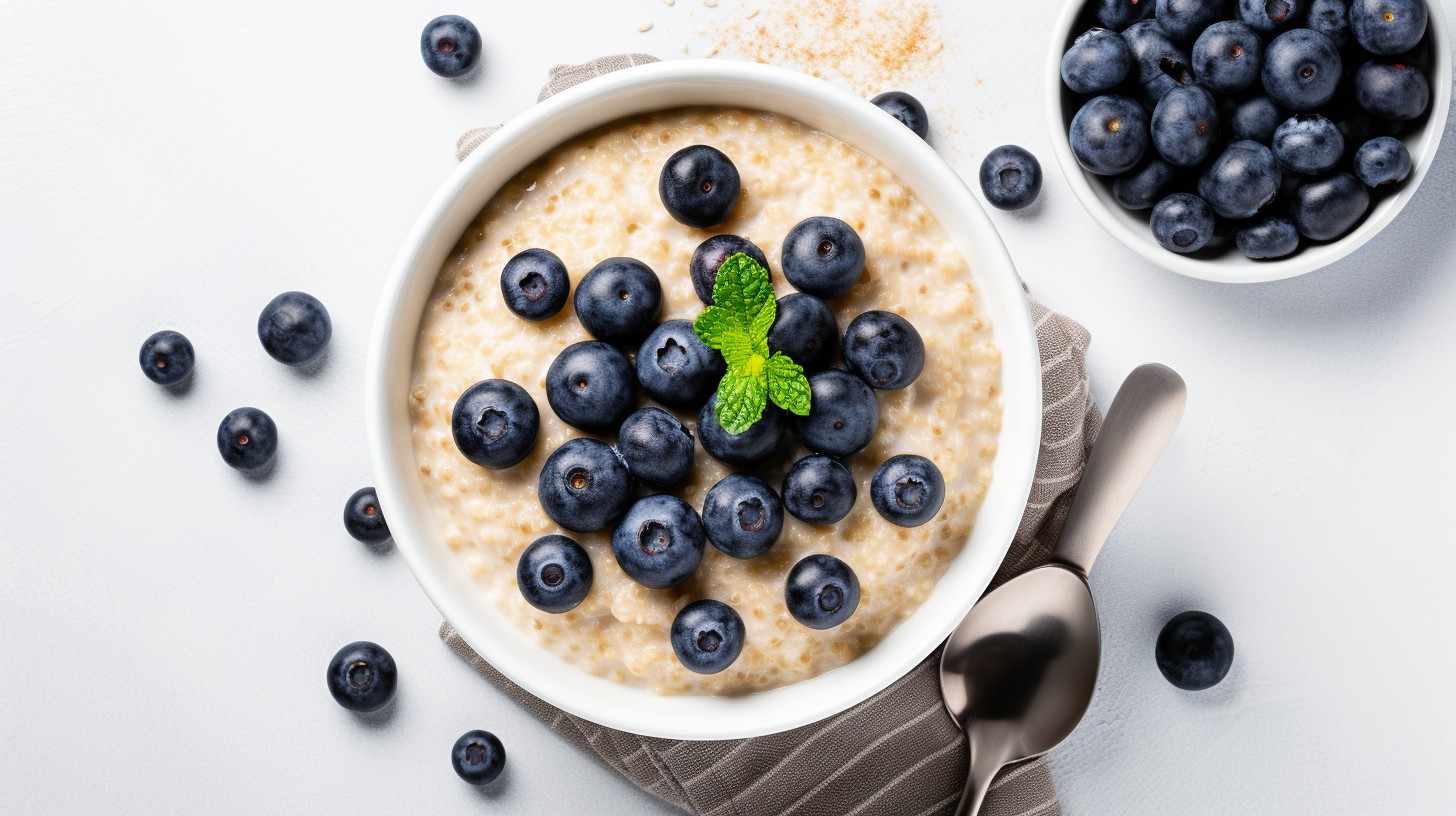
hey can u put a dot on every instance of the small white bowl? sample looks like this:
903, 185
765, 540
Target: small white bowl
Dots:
593, 104
1131, 228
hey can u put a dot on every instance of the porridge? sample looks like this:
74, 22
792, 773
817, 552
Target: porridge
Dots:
596, 197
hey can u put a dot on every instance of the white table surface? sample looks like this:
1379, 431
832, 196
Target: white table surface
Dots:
164, 623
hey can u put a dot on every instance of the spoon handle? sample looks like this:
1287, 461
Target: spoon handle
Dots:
981, 770
1139, 424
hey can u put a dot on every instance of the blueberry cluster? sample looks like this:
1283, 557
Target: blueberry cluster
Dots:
1271, 121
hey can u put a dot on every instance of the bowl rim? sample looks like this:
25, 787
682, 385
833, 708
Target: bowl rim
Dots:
392, 343
1233, 267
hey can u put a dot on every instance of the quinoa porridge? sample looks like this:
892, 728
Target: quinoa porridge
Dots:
596, 197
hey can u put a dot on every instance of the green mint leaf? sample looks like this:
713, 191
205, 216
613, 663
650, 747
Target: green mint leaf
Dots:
787, 385
720, 329
742, 396
744, 289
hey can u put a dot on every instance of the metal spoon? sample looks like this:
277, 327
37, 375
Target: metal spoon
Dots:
1019, 671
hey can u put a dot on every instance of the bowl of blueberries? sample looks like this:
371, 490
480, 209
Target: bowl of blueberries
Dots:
1247, 140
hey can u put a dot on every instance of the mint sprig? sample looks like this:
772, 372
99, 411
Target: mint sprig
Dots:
737, 326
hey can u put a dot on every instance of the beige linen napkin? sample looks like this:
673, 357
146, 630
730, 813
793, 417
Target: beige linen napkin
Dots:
898, 753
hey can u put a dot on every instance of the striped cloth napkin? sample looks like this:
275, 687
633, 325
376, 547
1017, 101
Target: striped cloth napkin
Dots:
898, 753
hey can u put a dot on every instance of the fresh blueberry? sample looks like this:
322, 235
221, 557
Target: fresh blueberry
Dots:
1268, 238
167, 358
1255, 119
675, 368
659, 543
590, 386
1302, 70
1355, 128
1182, 223
1195, 651
1097, 62
699, 186
554, 574
907, 109
707, 636
884, 350
657, 448
1145, 186
478, 757
843, 414
1387, 27
1382, 161
450, 45
1228, 56
1185, 126
363, 518
821, 592
1184, 19
1268, 16
908, 490
1327, 208
1308, 143
1154, 52
823, 256
1332, 19
618, 301
805, 329
708, 258
819, 490
1109, 135
742, 516
495, 424
749, 448
1394, 91
1243, 180
1119, 14
584, 486
534, 284
295, 328
1010, 177
362, 676
247, 439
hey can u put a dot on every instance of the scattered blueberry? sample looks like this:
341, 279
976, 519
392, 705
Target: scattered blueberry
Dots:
495, 424
1301, 70
708, 258
675, 368
743, 516
1332, 19
1109, 135
167, 358
534, 284
699, 186
1119, 14
843, 414
1184, 19
907, 490
1382, 161
749, 448
884, 350
1145, 186
1327, 208
584, 486
363, 518
819, 490
1228, 56
618, 301
1268, 16
659, 543
1010, 177
1243, 180
1255, 119
590, 386
1185, 126
1393, 91
657, 448
821, 591
907, 109
1097, 62
1387, 27
1308, 143
450, 45
823, 256
554, 574
1195, 651
295, 328
1182, 223
707, 636
1268, 238
804, 328
478, 757
362, 676
247, 439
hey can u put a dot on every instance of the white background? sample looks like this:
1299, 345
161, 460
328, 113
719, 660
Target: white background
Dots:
165, 622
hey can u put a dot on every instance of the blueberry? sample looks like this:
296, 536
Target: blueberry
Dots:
450, 45
708, 258
1228, 56
843, 414
534, 284
1268, 16
247, 439
1309, 144
294, 328
707, 636
907, 109
167, 358
1267, 238
1327, 208
657, 448
804, 328
1185, 126
1302, 70
495, 424
1255, 119
1195, 651
819, 490
554, 574
675, 368
1394, 91
1332, 19
1388, 27
584, 486
1152, 50
823, 256
1355, 128
362, 676
743, 516
907, 490
1010, 177
1097, 62
1145, 186
618, 301
363, 518
659, 543
1243, 180
751, 447
1184, 19
590, 386
478, 757
821, 592
699, 186
884, 350
1109, 135
1119, 14
1182, 223
1382, 161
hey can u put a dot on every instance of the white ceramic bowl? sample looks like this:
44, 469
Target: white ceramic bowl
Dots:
590, 105
1131, 228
